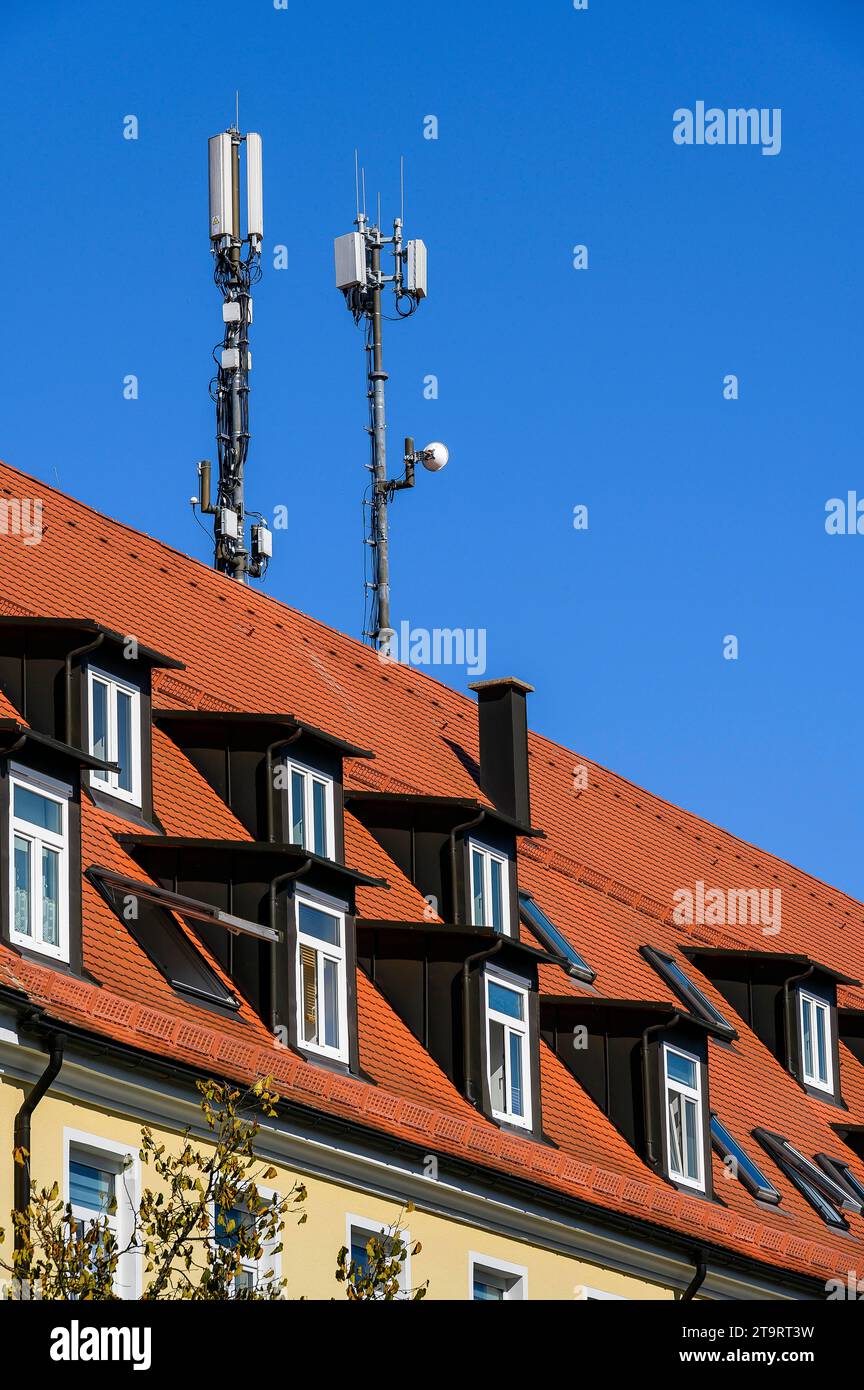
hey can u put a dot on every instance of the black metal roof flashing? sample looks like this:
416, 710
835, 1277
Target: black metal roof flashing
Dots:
457, 933
90, 626
792, 959
657, 1010
276, 850
457, 806
19, 734
165, 717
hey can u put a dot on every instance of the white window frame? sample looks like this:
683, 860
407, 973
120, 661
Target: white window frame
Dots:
109, 781
311, 775
271, 1257
123, 1160
324, 950
586, 1293
515, 1277
38, 838
362, 1226
487, 855
806, 1001
522, 1029
670, 1086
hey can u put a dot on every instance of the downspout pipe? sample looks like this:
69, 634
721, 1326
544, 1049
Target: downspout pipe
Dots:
455, 915
466, 1013
276, 883
791, 1052
21, 1132
70, 657
698, 1279
268, 765
646, 1084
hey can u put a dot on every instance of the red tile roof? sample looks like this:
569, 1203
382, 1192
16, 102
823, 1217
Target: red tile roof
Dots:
613, 857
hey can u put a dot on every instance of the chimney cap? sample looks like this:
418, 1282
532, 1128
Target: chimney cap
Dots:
502, 683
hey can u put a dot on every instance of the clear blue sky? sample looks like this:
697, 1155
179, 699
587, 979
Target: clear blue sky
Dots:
557, 387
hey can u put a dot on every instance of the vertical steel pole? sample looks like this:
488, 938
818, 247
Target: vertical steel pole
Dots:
377, 378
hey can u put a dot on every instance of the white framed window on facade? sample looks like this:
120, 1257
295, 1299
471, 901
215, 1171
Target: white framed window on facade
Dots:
493, 1281
507, 1044
490, 888
817, 1068
115, 734
97, 1173
684, 1119
310, 809
253, 1273
322, 986
39, 854
359, 1231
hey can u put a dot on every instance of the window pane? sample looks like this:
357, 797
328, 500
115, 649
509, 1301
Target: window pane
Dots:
478, 906
681, 1069
496, 1066
38, 810
50, 897
308, 985
676, 1132
331, 1003
89, 1187
497, 896
99, 701
486, 1292
322, 925
22, 886
124, 740
298, 809
821, 1044
319, 817
517, 1104
807, 1035
691, 1134
228, 1223
504, 1001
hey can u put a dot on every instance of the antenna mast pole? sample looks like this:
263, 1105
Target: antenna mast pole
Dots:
361, 278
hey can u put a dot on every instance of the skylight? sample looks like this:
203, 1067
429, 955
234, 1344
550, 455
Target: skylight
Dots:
697, 1002
821, 1191
745, 1169
553, 940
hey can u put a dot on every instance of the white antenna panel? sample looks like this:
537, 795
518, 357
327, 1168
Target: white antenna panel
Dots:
415, 277
254, 188
221, 196
350, 257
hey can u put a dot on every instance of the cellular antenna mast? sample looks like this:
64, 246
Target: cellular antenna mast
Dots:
237, 267
361, 277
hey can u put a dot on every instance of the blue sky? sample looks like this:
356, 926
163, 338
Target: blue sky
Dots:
557, 387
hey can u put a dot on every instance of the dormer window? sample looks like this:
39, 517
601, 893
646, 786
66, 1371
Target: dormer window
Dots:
322, 994
310, 815
683, 1108
490, 895
507, 1041
39, 848
115, 734
814, 1017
